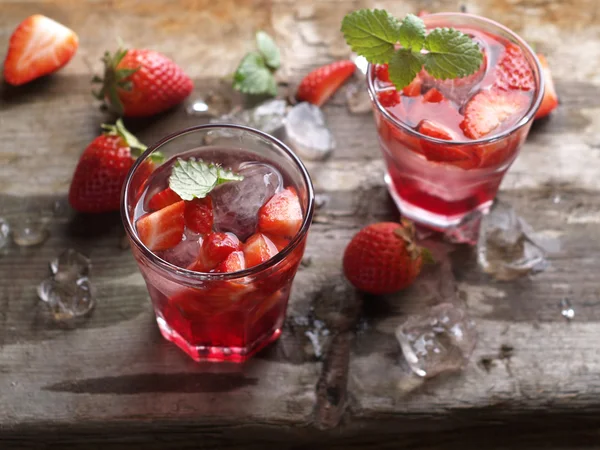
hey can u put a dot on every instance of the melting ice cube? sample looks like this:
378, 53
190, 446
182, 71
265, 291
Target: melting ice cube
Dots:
184, 253
307, 132
267, 117
236, 204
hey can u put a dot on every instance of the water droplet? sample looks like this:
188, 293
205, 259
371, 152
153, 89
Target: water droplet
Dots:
4, 233
556, 199
567, 310
29, 231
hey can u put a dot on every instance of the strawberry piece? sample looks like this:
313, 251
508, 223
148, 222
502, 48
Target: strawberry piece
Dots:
433, 96
280, 242
321, 83
233, 263
141, 83
389, 98
199, 215
550, 100
162, 199
162, 229
382, 73
102, 169
488, 110
435, 130
281, 215
449, 154
216, 247
414, 88
258, 249
38, 47
383, 258
493, 155
513, 71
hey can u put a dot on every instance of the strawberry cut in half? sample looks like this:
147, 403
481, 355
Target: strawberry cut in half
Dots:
199, 215
513, 70
258, 249
550, 100
321, 83
449, 154
216, 247
233, 263
38, 47
433, 96
163, 199
162, 229
281, 215
488, 110
414, 88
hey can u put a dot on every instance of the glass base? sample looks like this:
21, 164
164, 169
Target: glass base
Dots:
438, 222
217, 354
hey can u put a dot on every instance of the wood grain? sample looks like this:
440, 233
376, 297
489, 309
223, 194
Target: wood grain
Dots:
115, 383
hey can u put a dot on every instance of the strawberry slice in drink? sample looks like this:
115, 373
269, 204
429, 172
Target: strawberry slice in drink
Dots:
258, 249
513, 71
216, 247
163, 199
455, 155
281, 215
199, 215
231, 290
162, 229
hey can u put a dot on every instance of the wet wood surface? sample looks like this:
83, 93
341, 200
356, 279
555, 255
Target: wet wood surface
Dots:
115, 383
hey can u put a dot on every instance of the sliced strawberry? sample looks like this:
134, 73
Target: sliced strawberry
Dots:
513, 71
37, 47
282, 214
550, 100
492, 155
258, 249
414, 88
450, 154
488, 110
199, 215
321, 83
162, 199
280, 242
382, 73
216, 247
233, 263
389, 98
162, 229
433, 96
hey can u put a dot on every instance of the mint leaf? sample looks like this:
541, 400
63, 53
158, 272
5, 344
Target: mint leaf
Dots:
372, 34
412, 33
268, 49
195, 179
253, 76
404, 67
452, 54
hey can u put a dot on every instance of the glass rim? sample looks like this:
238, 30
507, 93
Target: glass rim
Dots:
520, 123
206, 276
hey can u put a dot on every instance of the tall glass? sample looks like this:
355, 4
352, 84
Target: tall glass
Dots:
438, 194
220, 316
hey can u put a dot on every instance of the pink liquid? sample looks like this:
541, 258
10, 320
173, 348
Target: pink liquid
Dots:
435, 183
214, 319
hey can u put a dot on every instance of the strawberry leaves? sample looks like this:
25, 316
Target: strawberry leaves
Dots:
195, 179
444, 52
255, 74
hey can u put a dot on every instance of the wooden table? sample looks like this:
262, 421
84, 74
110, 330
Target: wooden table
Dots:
115, 383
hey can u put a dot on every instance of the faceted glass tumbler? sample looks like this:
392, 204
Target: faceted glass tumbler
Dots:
226, 316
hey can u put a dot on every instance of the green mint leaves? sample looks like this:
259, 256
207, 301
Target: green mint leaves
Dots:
254, 75
195, 179
445, 52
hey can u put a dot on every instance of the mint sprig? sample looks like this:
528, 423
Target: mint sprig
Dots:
444, 52
194, 178
255, 74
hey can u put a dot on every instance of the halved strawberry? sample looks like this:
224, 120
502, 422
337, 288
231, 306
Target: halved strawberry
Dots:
162, 199
162, 229
450, 154
550, 100
488, 110
513, 71
258, 249
382, 73
199, 215
389, 98
216, 247
414, 88
37, 47
282, 214
233, 263
433, 96
321, 83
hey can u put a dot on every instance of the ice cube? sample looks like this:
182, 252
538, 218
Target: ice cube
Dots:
236, 204
267, 117
29, 231
357, 98
70, 266
67, 301
307, 132
4, 233
506, 248
438, 341
184, 253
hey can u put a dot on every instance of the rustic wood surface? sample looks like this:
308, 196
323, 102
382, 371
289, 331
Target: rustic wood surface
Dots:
115, 383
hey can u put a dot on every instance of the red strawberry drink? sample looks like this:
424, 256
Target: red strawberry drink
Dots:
218, 231
448, 143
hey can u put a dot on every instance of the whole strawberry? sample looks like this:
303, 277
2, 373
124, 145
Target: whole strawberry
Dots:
102, 168
140, 83
383, 258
